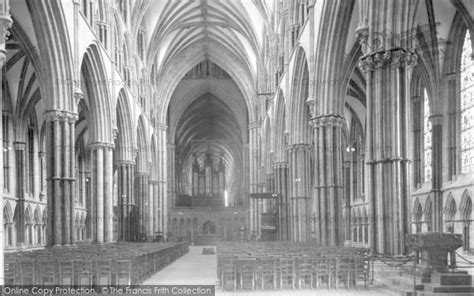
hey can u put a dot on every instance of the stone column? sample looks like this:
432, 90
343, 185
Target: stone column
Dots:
281, 187
102, 190
153, 209
60, 127
20, 190
108, 195
388, 108
300, 194
254, 155
141, 185
437, 171
172, 174
126, 203
162, 179
328, 197
5, 23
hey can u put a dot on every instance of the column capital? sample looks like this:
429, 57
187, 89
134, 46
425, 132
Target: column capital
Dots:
5, 24
310, 103
142, 174
280, 165
328, 120
436, 119
60, 115
101, 145
171, 146
161, 126
383, 58
19, 146
123, 162
254, 125
300, 147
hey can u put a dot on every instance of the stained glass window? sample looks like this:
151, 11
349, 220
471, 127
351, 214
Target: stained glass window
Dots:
467, 107
427, 136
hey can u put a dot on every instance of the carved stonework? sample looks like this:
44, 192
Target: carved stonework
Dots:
398, 57
60, 115
328, 120
310, 103
101, 145
363, 36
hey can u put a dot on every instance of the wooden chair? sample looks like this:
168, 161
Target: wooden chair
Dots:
228, 273
66, 273
246, 268
304, 272
266, 273
322, 272
286, 272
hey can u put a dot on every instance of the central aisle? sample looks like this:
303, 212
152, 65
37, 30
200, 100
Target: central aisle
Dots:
197, 269
191, 269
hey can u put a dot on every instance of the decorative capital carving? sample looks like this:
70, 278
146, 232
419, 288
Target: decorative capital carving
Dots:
78, 95
115, 133
397, 57
310, 103
19, 146
436, 119
60, 115
161, 126
328, 120
254, 125
101, 145
362, 33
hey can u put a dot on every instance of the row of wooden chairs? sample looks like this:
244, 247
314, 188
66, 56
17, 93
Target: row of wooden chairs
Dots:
114, 267
270, 273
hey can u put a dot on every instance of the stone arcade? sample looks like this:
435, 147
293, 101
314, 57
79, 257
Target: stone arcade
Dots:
334, 123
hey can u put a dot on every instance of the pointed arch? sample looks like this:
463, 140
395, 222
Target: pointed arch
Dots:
450, 208
279, 130
465, 206
96, 91
124, 142
38, 218
417, 210
142, 146
7, 213
300, 113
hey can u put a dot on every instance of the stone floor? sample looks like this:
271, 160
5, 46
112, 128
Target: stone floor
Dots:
197, 269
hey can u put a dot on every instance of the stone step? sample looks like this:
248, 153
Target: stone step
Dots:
405, 290
449, 289
427, 293
452, 279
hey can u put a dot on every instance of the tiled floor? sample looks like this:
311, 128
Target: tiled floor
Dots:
197, 269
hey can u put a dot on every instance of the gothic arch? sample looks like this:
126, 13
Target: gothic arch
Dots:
55, 51
450, 208
142, 146
7, 213
300, 112
280, 127
465, 206
95, 88
125, 140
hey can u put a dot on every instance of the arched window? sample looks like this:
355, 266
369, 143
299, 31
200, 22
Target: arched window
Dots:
465, 209
450, 213
467, 107
417, 215
427, 129
428, 213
